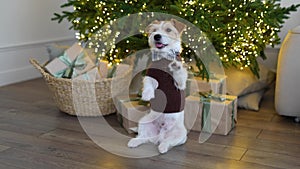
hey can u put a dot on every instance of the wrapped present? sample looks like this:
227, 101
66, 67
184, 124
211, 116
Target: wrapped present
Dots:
117, 70
211, 113
199, 84
130, 111
103, 68
121, 68
96, 73
109, 71
72, 63
91, 75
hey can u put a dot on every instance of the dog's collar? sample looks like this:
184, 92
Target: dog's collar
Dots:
172, 55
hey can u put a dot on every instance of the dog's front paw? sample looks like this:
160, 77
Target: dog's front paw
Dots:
163, 148
147, 94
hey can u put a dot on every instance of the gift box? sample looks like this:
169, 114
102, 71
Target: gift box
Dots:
211, 113
199, 84
121, 68
103, 68
130, 111
91, 75
72, 63
109, 71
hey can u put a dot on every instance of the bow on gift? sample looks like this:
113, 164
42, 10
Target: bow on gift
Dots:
205, 98
78, 63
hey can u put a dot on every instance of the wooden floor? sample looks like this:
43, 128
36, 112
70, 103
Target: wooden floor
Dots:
35, 135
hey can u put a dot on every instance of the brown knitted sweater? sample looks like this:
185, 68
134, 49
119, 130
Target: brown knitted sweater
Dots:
168, 98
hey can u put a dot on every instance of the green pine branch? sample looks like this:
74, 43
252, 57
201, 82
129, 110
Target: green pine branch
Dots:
239, 31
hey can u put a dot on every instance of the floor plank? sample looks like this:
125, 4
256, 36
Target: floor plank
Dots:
245, 131
257, 144
271, 126
253, 115
2, 148
293, 138
216, 150
19, 158
5, 166
272, 159
196, 160
72, 137
74, 152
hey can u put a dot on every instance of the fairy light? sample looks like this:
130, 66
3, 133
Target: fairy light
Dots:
237, 43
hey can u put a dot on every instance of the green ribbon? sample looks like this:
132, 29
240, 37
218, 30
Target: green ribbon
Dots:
140, 101
206, 115
85, 76
78, 63
130, 99
233, 121
199, 74
111, 71
120, 101
205, 98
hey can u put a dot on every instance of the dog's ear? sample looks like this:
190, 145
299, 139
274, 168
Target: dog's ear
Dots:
178, 25
155, 22
147, 30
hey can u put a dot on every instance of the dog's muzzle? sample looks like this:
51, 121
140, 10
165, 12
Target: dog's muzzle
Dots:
157, 37
158, 43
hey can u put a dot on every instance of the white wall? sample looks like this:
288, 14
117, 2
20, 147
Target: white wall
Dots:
294, 19
26, 27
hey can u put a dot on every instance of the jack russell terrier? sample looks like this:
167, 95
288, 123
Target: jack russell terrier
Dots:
164, 86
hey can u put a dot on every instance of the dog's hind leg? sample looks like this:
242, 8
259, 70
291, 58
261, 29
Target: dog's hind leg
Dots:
146, 133
135, 142
148, 130
175, 133
172, 140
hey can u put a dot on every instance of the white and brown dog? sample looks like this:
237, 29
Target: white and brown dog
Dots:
164, 86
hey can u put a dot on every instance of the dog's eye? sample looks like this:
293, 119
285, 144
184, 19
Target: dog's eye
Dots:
154, 30
168, 30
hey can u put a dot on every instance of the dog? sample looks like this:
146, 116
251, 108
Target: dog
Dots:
164, 86
179, 74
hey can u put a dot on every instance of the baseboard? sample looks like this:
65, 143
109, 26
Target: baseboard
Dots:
34, 44
14, 60
18, 75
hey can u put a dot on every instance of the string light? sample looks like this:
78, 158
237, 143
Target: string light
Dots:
239, 30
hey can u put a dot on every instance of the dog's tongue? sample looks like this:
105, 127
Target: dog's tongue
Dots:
159, 45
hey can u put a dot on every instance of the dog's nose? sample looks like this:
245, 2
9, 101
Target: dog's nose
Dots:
157, 37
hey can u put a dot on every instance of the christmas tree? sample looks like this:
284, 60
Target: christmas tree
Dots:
239, 30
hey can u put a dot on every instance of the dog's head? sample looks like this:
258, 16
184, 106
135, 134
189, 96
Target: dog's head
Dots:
164, 36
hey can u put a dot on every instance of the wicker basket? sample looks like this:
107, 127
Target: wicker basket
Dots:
85, 98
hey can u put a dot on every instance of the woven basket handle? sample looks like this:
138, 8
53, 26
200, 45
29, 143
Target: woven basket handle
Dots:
38, 66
